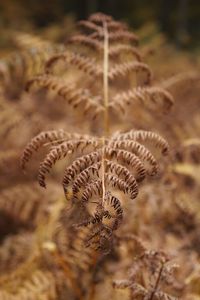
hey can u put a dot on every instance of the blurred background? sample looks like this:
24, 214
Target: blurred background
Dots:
179, 19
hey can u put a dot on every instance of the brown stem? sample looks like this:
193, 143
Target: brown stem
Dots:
106, 117
157, 282
105, 80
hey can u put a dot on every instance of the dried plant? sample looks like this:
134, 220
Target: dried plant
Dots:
159, 274
99, 88
98, 165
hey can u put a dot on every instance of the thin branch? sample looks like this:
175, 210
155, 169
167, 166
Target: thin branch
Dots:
105, 79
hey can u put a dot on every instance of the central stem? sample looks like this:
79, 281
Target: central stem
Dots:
105, 97
157, 282
105, 80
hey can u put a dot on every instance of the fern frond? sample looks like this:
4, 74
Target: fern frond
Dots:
145, 136
86, 64
124, 69
74, 97
89, 25
116, 50
60, 152
87, 41
95, 22
118, 36
100, 18
153, 98
115, 25
142, 152
47, 137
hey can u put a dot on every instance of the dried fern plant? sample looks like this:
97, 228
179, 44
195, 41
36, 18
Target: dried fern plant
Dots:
97, 167
72, 246
160, 274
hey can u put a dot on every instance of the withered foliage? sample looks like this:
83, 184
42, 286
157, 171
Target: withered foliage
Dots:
151, 285
83, 57
90, 111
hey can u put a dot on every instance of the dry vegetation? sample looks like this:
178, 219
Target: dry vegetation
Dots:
122, 142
